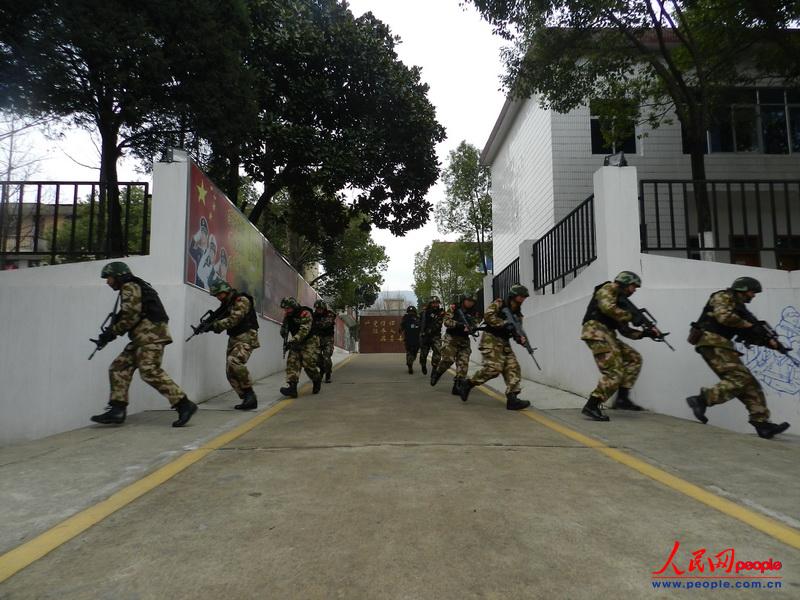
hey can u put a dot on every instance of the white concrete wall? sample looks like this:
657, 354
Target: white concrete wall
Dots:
48, 314
674, 290
522, 184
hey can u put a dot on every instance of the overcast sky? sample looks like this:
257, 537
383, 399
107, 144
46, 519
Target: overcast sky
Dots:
460, 61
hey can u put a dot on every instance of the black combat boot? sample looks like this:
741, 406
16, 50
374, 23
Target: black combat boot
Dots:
698, 406
623, 400
317, 385
424, 367
435, 376
456, 386
249, 399
465, 388
410, 369
514, 403
592, 410
327, 377
186, 408
767, 430
290, 390
114, 415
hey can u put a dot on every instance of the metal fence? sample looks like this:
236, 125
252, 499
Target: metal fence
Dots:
503, 281
561, 253
753, 222
64, 221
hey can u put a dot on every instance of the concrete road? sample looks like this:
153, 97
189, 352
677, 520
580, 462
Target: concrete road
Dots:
383, 487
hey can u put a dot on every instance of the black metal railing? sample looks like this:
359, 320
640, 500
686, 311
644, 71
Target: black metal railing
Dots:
503, 281
561, 253
752, 222
64, 221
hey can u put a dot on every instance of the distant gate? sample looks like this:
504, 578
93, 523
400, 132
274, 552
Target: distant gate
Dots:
380, 333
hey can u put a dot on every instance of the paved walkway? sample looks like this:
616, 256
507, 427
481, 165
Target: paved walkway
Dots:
383, 487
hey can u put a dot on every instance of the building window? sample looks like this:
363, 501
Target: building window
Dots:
627, 137
745, 250
765, 120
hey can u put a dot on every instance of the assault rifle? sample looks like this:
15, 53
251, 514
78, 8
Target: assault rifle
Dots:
204, 326
642, 318
519, 333
459, 316
762, 333
104, 327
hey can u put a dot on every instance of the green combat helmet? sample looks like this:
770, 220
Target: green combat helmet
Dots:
411, 309
746, 284
289, 302
628, 278
518, 290
115, 269
219, 286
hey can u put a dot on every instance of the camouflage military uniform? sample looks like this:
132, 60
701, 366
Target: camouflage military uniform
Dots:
430, 336
145, 351
456, 347
619, 364
240, 343
303, 347
495, 347
323, 328
409, 327
721, 356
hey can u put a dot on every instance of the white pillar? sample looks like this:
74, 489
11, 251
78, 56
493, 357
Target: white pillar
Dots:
616, 215
168, 219
526, 264
488, 295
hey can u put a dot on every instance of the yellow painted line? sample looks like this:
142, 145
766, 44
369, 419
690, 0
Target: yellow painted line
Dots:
20, 557
779, 531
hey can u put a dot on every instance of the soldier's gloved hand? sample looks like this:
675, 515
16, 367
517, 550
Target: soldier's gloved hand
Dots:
106, 336
651, 333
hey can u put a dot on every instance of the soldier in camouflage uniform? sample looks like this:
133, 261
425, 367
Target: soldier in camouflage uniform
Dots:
456, 347
409, 327
619, 364
430, 334
237, 316
498, 356
323, 327
303, 347
725, 316
142, 316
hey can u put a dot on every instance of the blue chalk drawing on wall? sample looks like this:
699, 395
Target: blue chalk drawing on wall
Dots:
772, 368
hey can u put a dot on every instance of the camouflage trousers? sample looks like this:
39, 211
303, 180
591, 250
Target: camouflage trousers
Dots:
307, 357
498, 359
325, 353
736, 382
148, 360
619, 365
411, 354
457, 349
236, 357
432, 345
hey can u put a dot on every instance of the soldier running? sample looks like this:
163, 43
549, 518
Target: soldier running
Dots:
142, 316
323, 327
619, 364
725, 316
409, 327
498, 356
303, 347
430, 334
460, 321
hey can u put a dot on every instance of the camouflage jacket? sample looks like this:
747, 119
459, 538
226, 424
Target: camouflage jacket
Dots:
606, 297
237, 312
130, 319
494, 319
452, 323
324, 323
432, 322
301, 325
725, 311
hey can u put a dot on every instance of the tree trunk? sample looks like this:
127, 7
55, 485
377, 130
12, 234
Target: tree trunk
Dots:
109, 216
263, 202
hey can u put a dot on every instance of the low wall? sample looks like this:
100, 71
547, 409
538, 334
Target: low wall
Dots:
675, 291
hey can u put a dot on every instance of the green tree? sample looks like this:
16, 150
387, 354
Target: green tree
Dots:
337, 110
134, 72
646, 59
467, 208
446, 269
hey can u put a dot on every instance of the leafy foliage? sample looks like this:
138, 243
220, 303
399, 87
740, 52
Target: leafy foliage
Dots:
446, 269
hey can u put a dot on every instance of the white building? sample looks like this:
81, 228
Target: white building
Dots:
542, 164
